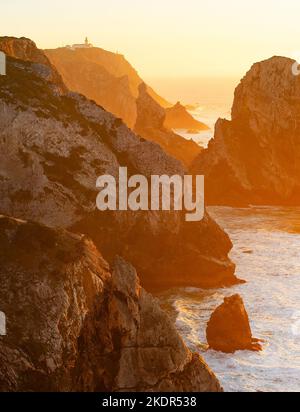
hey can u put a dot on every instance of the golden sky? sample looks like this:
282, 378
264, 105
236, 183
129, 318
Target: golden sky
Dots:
164, 38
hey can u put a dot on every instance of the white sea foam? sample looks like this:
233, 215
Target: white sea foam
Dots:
207, 114
271, 296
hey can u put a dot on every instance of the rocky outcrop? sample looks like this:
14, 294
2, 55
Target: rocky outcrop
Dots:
255, 157
23, 49
228, 329
73, 324
103, 76
150, 125
52, 150
26, 50
177, 117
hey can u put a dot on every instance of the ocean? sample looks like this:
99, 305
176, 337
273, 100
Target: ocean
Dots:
208, 114
266, 252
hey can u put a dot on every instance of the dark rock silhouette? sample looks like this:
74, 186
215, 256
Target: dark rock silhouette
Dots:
177, 117
228, 329
255, 157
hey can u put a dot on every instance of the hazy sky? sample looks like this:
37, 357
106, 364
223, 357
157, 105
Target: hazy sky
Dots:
164, 38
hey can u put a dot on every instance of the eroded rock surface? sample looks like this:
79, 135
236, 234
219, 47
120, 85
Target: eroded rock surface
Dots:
73, 324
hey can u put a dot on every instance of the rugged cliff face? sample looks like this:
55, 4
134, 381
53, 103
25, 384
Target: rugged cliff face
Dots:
255, 157
109, 80
73, 324
150, 124
102, 76
52, 149
177, 117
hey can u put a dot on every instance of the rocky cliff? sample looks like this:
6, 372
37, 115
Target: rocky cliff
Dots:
26, 50
74, 324
177, 117
52, 149
109, 80
93, 72
103, 76
150, 124
255, 157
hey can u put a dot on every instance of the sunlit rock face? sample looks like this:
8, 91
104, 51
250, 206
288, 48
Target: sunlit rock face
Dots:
177, 117
103, 76
150, 124
109, 80
87, 71
54, 146
228, 329
75, 324
255, 157
26, 50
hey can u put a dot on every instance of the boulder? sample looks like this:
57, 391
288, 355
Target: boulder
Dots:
228, 329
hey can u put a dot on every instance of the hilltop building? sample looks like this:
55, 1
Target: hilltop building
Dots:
85, 45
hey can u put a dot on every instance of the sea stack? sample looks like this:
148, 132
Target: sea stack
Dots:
177, 117
228, 329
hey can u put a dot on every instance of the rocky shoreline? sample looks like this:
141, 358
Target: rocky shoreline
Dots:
58, 291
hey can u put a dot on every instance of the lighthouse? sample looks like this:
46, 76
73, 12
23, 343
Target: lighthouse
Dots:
85, 45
